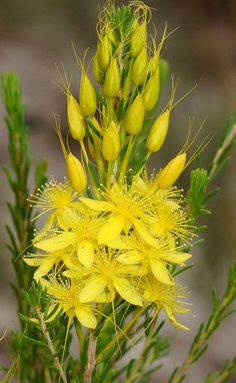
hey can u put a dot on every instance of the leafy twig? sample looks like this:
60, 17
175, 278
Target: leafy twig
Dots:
219, 313
91, 359
47, 337
18, 144
223, 375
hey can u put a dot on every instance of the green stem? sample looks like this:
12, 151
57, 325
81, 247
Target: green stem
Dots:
80, 336
124, 164
109, 173
91, 360
126, 328
95, 189
51, 347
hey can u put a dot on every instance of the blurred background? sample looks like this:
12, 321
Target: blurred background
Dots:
36, 35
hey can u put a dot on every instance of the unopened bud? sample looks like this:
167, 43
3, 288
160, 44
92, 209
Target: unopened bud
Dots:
140, 66
138, 38
152, 91
171, 172
154, 62
134, 116
104, 52
112, 81
97, 72
158, 132
75, 118
87, 96
111, 143
76, 173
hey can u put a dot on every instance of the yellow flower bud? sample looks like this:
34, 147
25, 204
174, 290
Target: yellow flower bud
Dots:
134, 116
97, 72
140, 66
152, 91
76, 173
138, 37
112, 81
171, 172
75, 118
87, 96
111, 143
104, 53
154, 62
158, 132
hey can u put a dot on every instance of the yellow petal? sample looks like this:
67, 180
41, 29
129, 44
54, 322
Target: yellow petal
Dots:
120, 243
160, 271
93, 288
85, 316
106, 296
44, 268
85, 252
96, 205
175, 257
34, 261
127, 291
130, 257
143, 232
71, 261
48, 225
111, 229
71, 274
58, 242
65, 217
172, 318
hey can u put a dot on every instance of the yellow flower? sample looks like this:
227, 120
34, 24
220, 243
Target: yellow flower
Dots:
171, 220
67, 295
165, 297
127, 208
155, 258
45, 262
57, 198
108, 275
54, 195
82, 236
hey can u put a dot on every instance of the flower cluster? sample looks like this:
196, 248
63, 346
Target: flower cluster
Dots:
120, 236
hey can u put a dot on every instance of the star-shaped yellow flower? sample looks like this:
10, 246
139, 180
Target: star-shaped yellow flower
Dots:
165, 297
127, 208
157, 258
109, 276
66, 294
